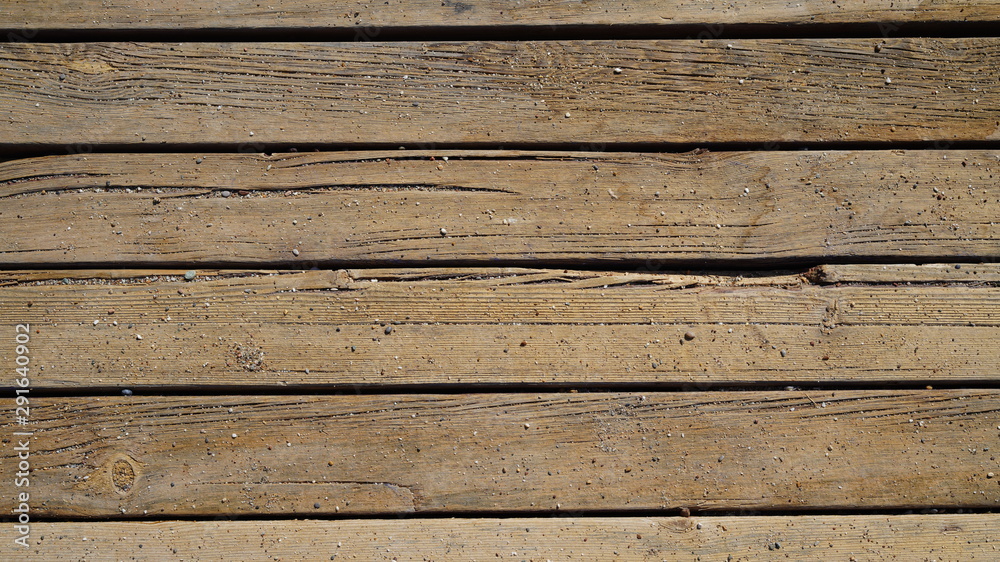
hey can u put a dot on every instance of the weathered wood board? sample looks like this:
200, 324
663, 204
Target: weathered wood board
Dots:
911, 273
494, 93
368, 19
365, 328
160, 457
861, 537
420, 295
509, 207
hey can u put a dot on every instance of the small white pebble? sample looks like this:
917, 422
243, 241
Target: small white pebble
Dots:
444, 232
888, 80
567, 115
295, 251
740, 80
96, 322
138, 337
618, 70
234, 436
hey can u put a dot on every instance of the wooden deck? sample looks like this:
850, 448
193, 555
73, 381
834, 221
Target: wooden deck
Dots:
483, 280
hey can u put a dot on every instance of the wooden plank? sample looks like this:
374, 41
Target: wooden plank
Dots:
15, 276
908, 273
301, 455
496, 328
415, 207
859, 537
491, 93
368, 19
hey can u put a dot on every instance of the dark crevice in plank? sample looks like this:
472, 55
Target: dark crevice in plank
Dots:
129, 276
937, 274
797, 389
527, 514
13, 151
711, 266
693, 31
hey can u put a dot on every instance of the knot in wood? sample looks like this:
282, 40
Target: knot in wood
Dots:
122, 476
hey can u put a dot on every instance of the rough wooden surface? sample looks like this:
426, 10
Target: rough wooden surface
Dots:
312, 404
414, 207
491, 93
368, 19
165, 456
859, 537
924, 273
364, 328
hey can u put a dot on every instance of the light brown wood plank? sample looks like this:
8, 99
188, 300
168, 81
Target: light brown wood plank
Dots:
15, 276
861, 537
163, 456
908, 273
368, 18
390, 207
680, 91
497, 327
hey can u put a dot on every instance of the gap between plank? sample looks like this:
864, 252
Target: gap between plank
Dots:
707, 30
707, 266
539, 514
14, 151
795, 389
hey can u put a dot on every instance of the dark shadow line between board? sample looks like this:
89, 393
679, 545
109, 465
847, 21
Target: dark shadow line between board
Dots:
795, 388
680, 512
12, 151
714, 266
707, 30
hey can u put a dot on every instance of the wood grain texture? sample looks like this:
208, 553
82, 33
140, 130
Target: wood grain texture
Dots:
490, 93
164, 456
365, 329
413, 385
908, 273
862, 537
369, 18
500, 207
